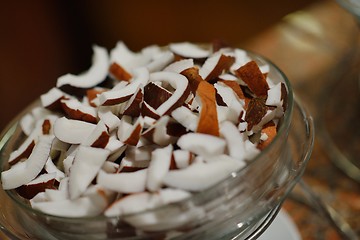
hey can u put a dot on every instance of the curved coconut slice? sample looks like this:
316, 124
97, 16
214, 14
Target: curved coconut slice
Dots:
241, 58
40, 113
127, 182
202, 144
51, 99
254, 78
234, 139
27, 124
72, 131
110, 167
93, 76
155, 95
128, 133
118, 72
87, 206
161, 61
255, 112
86, 165
99, 137
142, 153
179, 66
141, 77
26, 147
131, 204
139, 202
51, 168
215, 65
39, 184
158, 168
114, 144
133, 106
46, 127
128, 59
228, 77
208, 120
268, 133
182, 158
251, 150
158, 132
235, 105
149, 111
189, 50
234, 86
23, 151
275, 96
78, 111
53, 195
128, 164
179, 83
160, 135
110, 119
68, 162
165, 219
23, 172
192, 74
92, 95
200, 176
268, 117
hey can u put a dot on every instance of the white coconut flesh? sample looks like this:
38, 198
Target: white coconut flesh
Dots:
137, 155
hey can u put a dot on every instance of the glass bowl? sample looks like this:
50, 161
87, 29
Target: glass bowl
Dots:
239, 207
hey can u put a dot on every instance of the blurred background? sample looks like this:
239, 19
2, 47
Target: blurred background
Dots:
42, 40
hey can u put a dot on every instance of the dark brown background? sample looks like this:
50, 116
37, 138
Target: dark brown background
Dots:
42, 40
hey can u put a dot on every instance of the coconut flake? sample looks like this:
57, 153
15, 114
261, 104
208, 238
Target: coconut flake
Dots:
86, 165
72, 131
128, 133
235, 140
208, 120
79, 111
52, 169
202, 144
274, 96
127, 182
189, 50
87, 206
110, 119
128, 59
186, 117
139, 202
23, 172
93, 76
161, 61
159, 166
182, 158
179, 83
235, 105
179, 66
27, 124
99, 137
51, 99
254, 78
215, 65
200, 176
116, 96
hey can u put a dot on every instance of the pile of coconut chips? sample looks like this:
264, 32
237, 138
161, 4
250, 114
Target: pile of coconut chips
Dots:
143, 129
